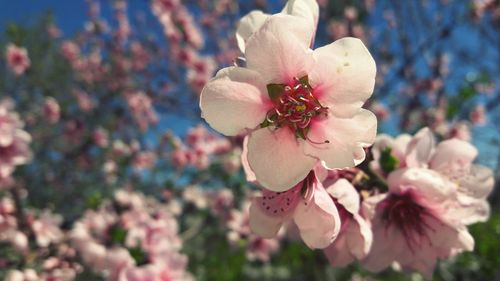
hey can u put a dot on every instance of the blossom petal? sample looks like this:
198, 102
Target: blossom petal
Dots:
346, 195
262, 224
250, 175
277, 159
435, 187
346, 137
420, 148
234, 101
248, 25
360, 237
478, 183
344, 76
318, 220
389, 244
453, 154
279, 50
308, 9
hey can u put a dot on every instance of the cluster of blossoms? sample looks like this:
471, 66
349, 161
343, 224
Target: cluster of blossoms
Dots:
199, 148
14, 141
257, 247
300, 113
131, 238
38, 241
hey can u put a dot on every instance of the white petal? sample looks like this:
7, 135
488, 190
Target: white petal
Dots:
279, 50
343, 77
234, 101
277, 159
318, 220
420, 148
346, 137
346, 195
248, 25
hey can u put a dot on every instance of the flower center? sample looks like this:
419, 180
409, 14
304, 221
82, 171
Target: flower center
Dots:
295, 107
402, 211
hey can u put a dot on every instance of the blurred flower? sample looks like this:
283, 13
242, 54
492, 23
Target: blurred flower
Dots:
17, 59
47, 228
51, 110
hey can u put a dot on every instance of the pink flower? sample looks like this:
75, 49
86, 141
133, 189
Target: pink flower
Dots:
51, 110
9, 122
17, 59
452, 159
299, 106
14, 154
46, 229
308, 204
355, 236
411, 224
258, 248
253, 21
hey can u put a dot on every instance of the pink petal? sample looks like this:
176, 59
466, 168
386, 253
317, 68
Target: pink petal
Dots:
453, 154
468, 211
477, 183
277, 158
234, 101
263, 224
432, 185
318, 220
360, 237
338, 253
279, 50
420, 149
248, 25
250, 175
307, 9
346, 195
389, 244
343, 76
346, 137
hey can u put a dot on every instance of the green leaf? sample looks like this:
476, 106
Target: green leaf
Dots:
139, 255
275, 91
388, 163
117, 234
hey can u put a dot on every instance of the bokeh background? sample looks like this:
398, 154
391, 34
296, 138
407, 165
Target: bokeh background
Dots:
126, 77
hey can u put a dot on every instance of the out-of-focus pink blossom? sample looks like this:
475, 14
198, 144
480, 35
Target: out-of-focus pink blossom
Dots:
101, 137
47, 228
257, 247
84, 100
142, 109
478, 115
196, 196
70, 50
51, 110
17, 59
